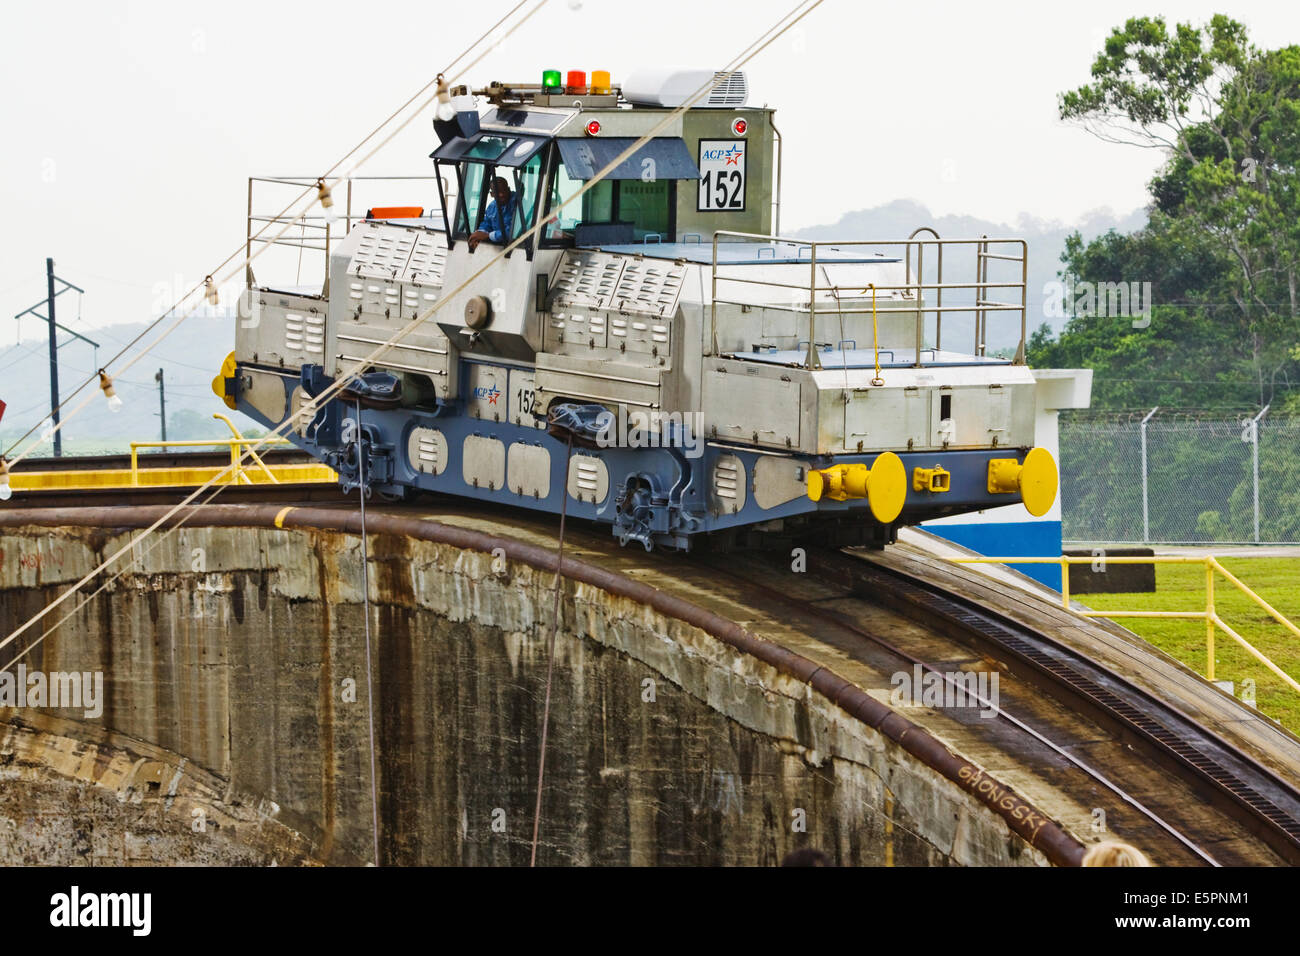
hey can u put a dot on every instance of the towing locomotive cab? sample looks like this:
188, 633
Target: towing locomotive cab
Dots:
655, 352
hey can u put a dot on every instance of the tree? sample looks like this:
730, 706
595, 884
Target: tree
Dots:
187, 424
1187, 356
1228, 115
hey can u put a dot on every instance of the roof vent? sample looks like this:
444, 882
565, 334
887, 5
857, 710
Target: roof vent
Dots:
731, 89
671, 88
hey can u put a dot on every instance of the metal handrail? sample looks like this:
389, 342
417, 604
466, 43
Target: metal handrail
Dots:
314, 219
236, 445
1209, 615
913, 286
252, 454
920, 272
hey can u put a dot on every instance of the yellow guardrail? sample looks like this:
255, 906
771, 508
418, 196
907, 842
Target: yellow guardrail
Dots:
1209, 615
235, 444
136, 477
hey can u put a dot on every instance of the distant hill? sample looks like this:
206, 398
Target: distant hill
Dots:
1046, 243
189, 357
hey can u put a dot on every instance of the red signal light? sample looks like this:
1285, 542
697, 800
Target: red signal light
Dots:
739, 126
593, 128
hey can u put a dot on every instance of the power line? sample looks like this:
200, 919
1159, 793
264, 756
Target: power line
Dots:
306, 192
310, 407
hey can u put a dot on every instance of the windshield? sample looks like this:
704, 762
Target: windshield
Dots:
498, 200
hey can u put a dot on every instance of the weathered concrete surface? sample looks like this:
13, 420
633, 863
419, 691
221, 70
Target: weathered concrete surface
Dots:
243, 653
67, 800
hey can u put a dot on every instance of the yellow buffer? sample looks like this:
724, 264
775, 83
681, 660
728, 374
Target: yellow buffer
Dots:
1036, 479
884, 485
228, 368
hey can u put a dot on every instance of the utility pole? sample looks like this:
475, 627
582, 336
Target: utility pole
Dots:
1254, 461
162, 403
54, 360
1146, 511
54, 345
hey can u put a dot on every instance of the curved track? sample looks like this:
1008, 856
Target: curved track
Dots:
1159, 775
1163, 769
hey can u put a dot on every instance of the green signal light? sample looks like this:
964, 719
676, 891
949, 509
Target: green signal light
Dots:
551, 80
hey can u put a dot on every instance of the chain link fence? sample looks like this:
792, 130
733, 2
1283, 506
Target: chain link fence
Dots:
1180, 478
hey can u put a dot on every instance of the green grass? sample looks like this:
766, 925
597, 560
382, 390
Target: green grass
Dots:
1181, 587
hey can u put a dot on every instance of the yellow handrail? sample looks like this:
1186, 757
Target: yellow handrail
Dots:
1209, 615
235, 458
234, 444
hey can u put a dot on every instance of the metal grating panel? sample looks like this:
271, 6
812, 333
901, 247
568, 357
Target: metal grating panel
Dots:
399, 254
588, 479
297, 402
588, 278
730, 90
729, 483
304, 333
650, 285
427, 450
428, 259
382, 250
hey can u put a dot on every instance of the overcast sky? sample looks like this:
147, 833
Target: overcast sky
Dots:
130, 128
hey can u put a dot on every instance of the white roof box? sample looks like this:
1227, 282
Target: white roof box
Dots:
673, 87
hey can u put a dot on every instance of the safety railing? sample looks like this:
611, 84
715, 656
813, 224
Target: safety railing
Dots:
238, 446
316, 230
1210, 615
825, 297
180, 474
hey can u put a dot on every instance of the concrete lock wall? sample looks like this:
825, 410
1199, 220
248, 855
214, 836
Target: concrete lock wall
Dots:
235, 685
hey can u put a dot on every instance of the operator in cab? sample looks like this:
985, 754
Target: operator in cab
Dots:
499, 216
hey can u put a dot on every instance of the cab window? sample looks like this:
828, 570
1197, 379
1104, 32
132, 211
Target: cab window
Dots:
475, 179
632, 208
596, 205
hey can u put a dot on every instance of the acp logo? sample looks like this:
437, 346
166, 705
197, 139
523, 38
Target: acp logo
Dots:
730, 156
491, 394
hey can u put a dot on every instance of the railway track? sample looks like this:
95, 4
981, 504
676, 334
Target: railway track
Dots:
1161, 776
1163, 769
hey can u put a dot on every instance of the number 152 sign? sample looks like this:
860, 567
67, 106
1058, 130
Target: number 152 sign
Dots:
722, 175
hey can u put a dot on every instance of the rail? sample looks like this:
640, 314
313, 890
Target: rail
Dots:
831, 298
237, 445
315, 230
189, 474
1210, 615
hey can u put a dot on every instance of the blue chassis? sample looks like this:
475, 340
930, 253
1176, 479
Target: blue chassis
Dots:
671, 509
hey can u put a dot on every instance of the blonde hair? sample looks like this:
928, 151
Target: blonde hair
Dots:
1114, 853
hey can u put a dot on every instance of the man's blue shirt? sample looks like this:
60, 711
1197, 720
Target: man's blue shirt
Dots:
496, 223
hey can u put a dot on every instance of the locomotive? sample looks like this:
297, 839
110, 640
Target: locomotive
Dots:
656, 357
